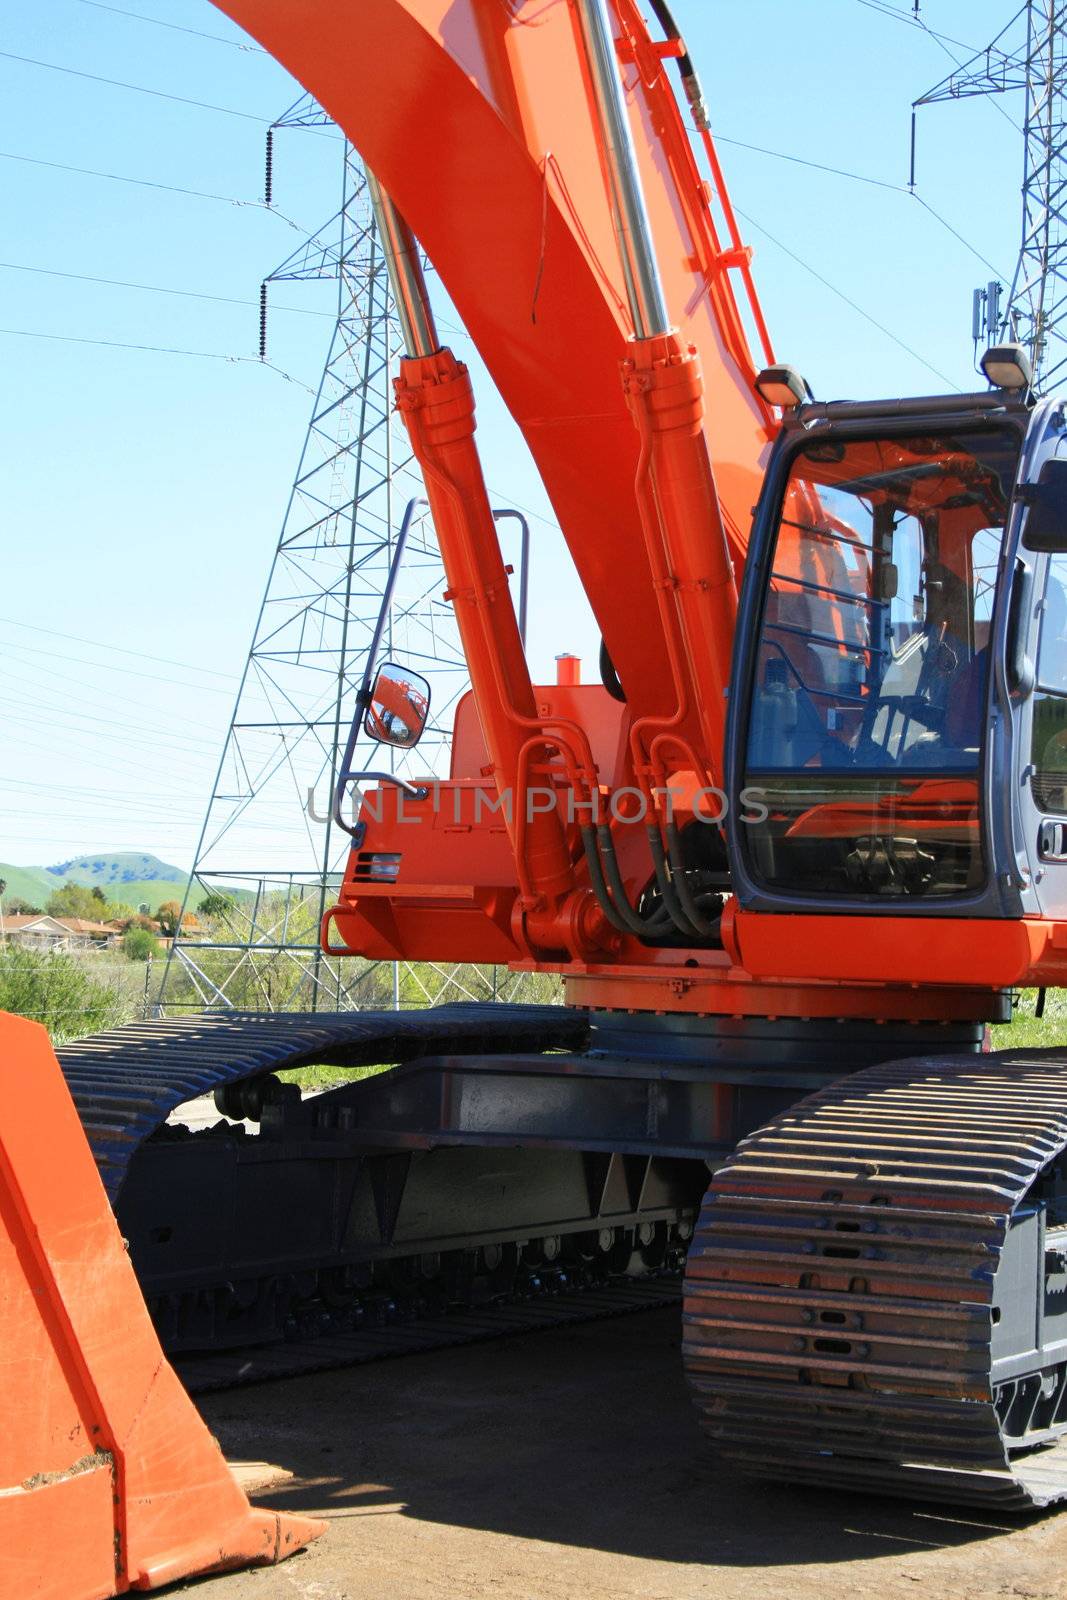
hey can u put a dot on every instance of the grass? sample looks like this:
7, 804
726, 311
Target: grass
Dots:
321, 1077
1028, 1032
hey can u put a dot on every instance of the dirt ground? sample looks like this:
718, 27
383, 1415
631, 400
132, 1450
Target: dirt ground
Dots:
568, 1466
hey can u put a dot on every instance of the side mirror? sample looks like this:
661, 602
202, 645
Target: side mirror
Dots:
1046, 518
399, 706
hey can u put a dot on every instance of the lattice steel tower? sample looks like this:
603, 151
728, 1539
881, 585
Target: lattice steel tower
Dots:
1029, 54
269, 856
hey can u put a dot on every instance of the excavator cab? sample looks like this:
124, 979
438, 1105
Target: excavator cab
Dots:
900, 672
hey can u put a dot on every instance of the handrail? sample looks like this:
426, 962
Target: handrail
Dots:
524, 564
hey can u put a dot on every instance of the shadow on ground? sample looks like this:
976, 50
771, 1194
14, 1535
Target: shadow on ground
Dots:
581, 1436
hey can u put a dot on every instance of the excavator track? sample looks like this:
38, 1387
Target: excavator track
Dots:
876, 1294
387, 1339
129, 1084
126, 1082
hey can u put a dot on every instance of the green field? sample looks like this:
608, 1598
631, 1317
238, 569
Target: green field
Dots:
1028, 1032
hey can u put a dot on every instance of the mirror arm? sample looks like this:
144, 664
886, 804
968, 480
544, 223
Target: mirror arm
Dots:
414, 791
363, 693
363, 696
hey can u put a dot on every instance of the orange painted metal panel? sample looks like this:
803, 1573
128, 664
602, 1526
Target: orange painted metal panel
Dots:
969, 952
87, 1389
57, 1539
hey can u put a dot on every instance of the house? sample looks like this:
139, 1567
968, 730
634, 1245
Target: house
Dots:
43, 932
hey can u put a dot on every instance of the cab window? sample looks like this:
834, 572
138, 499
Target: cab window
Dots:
1048, 740
868, 703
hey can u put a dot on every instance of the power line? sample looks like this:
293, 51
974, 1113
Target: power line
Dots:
803, 161
13, 675
954, 58
144, 183
956, 234
912, 20
157, 288
104, 760
176, 27
139, 714
137, 88
77, 638
160, 749
857, 177
106, 666
847, 299
119, 344
157, 349
157, 737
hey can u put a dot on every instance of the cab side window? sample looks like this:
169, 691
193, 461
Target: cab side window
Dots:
1048, 739
1052, 649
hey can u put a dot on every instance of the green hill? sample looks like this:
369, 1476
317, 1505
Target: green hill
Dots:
129, 878
106, 872
31, 884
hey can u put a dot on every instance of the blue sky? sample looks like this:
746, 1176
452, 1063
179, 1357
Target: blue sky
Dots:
144, 488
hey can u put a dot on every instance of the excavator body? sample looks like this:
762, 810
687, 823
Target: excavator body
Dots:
790, 857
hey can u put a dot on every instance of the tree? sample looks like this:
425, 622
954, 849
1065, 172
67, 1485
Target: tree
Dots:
98, 894
74, 900
215, 905
139, 945
169, 917
18, 907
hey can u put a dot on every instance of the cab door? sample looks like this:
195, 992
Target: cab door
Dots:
1043, 739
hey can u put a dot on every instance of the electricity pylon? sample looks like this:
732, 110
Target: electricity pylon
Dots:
1028, 55
270, 855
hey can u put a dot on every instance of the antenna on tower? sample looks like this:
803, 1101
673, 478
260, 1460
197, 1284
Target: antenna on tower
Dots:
1030, 55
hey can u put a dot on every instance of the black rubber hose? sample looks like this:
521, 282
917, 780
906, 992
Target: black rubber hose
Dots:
690, 82
606, 846
706, 929
621, 916
609, 677
650, 928
667, 886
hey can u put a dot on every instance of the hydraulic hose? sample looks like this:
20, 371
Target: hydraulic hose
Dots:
624, 918
616, 915
690, 81
668, 886
605, 845
609, 677
707, 929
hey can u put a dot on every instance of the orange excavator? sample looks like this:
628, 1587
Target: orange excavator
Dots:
791, 856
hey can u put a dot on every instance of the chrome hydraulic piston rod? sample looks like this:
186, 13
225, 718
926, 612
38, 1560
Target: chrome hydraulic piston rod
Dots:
633, 231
